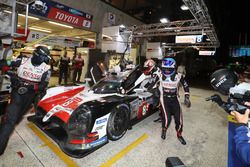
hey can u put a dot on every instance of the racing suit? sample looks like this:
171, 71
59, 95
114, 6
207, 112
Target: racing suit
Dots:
27, 84
169, 101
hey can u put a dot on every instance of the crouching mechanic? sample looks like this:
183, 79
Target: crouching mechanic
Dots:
242, 139
32, 79
169, 83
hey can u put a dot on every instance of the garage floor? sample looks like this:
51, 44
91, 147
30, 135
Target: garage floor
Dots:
205, 130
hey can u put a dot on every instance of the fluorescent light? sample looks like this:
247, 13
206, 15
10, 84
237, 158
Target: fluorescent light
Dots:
164, 20
39, 29
163, 43
30, 17
89, 39
184, 7
122, 26
59, 24
139, 33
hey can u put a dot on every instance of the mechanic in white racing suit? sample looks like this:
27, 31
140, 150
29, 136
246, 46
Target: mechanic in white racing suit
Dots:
31, 80
170, 105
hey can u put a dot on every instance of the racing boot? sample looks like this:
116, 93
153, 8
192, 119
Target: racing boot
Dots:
181, 139
163, 133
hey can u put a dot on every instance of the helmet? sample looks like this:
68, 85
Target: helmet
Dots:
40, 54
148, 66
223, 79
168, 66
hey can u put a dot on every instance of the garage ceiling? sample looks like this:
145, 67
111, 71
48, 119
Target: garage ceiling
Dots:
228, 17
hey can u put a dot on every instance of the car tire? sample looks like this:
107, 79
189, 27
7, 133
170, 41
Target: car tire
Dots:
118, 122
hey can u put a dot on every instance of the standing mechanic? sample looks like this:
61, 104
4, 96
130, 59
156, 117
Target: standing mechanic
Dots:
64, 68
169, 83
242, 139
31, 80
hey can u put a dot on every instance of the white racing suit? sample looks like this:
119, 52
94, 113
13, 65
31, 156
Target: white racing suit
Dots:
29, 82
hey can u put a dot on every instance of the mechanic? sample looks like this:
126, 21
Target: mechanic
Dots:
30, 81
242, 138
170, 105
64, 68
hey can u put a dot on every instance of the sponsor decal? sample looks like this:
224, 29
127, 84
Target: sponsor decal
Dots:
60, 6
31, 75
76, 12
101, 121
99, 127
222, 80
72, 100
98, 142
165, 84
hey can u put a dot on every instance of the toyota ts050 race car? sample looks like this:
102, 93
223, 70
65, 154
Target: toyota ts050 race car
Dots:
82, 119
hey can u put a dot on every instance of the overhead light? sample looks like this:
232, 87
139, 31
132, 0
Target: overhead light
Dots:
163, 43
122, 26
89, 39
40, 29
30, 17
77, 37
18, 25
184, 7
139, 33
59, 24
164, 20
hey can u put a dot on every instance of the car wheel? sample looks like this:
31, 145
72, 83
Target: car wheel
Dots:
118, 122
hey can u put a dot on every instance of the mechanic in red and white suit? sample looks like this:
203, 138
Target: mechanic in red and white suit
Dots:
169, 83
31, 80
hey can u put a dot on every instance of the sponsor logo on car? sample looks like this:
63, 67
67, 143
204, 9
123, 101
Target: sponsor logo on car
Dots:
98, 142
101, 121
99, 127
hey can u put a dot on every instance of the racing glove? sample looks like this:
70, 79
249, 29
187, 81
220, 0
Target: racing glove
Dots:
187, 101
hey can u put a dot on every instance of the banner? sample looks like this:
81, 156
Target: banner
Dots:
189, 39
62, 13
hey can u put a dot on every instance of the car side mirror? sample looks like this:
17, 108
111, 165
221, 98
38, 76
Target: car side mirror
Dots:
87, 80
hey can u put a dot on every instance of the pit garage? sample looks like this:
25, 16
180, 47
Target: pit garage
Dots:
114, 115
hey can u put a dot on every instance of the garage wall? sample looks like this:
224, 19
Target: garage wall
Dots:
100, 10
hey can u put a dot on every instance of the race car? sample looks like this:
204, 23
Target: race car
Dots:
81, 119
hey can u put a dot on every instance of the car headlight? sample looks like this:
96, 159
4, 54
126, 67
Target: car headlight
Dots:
79, 122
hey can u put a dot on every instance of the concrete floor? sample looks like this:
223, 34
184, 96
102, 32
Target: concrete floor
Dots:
205, 130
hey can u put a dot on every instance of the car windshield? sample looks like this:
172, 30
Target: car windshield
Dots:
104, 86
